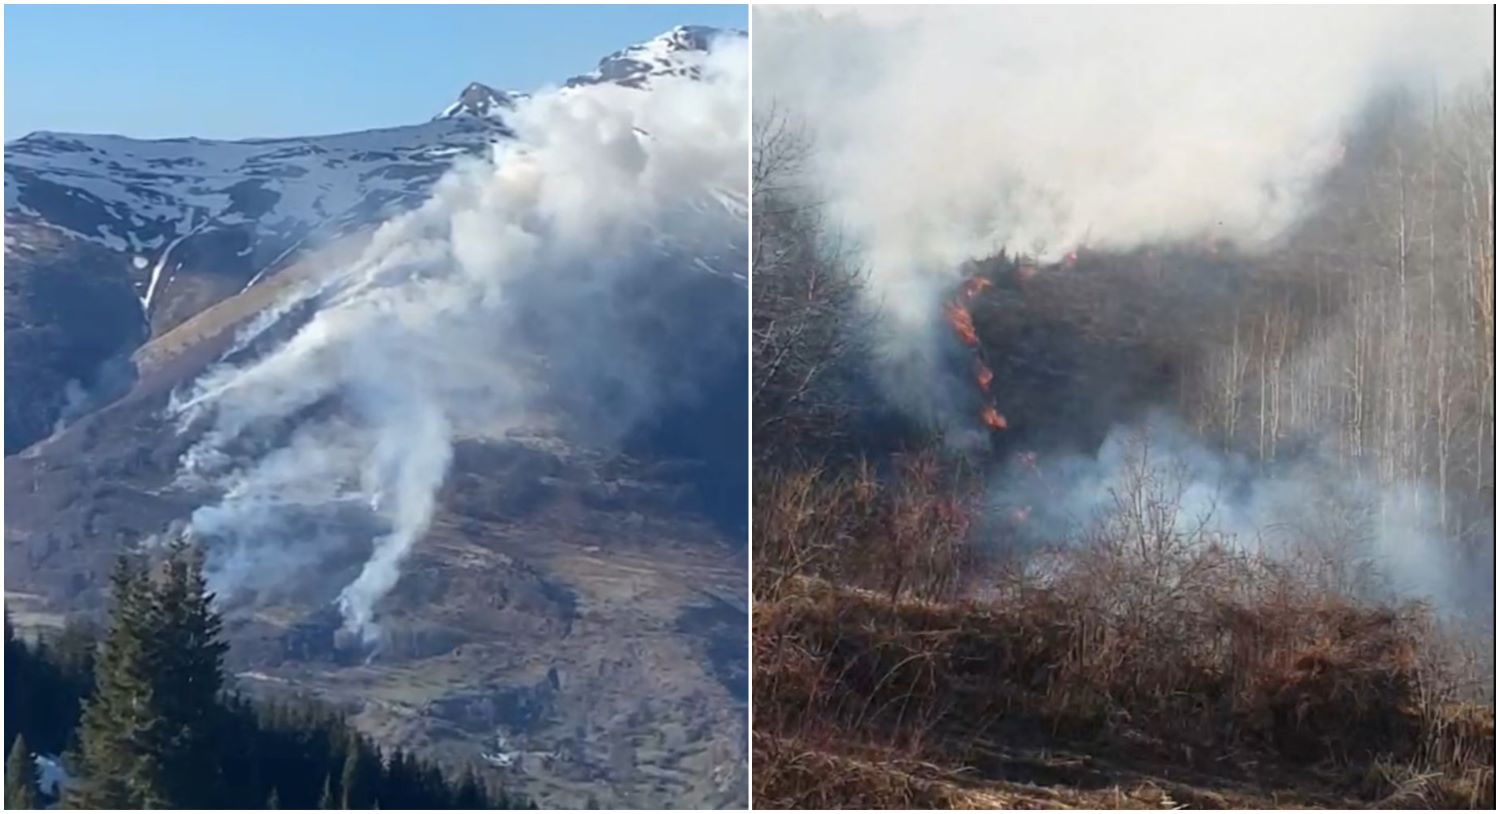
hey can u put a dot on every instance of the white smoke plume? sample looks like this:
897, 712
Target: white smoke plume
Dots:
944, 134
1381, 540
459, 320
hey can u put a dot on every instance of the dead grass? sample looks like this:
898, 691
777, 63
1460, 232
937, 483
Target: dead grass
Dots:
1146, 642
901, 532
790, 773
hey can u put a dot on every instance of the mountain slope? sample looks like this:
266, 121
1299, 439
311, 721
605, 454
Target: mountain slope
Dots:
574, 617
233, 209
184, 223
180, 224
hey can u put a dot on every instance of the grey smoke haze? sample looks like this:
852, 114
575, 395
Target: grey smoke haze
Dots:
946, 133
1387, 539
466, 318
943, 135
112, 378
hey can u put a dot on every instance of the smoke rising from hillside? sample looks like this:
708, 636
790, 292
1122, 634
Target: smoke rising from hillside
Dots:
521, 285
944, 135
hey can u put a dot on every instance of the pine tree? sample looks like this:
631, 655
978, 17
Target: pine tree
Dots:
470, 793
149, 734
21, 788
115, 760
44, 683
396, 783
325, 800
136, 735
434, 787
357, 784
189, 677
18, 687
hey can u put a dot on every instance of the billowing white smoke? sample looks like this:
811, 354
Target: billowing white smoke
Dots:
945, 134
1382, 540
433, 333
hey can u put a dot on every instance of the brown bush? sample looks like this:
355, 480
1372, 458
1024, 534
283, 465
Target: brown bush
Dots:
901, 533
1326, 683
793, 774
1144, 631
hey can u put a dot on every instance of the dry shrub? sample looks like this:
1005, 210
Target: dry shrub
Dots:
1149, 630
1327, 680
1327, 683
902, 532
805, 520
791, 774
1176, 629
1412, 785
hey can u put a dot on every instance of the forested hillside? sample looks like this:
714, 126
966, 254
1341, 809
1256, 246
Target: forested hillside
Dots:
143, 718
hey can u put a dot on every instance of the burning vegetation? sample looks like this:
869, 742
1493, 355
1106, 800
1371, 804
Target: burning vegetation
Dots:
1020, 623
962, 319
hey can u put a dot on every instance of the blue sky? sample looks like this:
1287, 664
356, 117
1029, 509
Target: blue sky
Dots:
251, 71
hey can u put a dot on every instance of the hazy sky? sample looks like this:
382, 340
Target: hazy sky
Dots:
250, 71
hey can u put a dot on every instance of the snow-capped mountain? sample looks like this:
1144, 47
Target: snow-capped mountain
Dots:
482, 101
591, 452
184, 223
260, 198
679, 52
257, 198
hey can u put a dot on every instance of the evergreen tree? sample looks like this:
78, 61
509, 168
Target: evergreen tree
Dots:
21, 789
188, 677
434, 787
248, 771
18, 687
325, 800
116, 760
150, 732
155, 726
470, 794
398, 781
43, 687
357, 785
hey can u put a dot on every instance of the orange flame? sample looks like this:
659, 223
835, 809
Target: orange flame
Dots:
973, 286
983, 375
963, 324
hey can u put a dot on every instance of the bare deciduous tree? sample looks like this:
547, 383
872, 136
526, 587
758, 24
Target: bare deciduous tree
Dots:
807, 313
